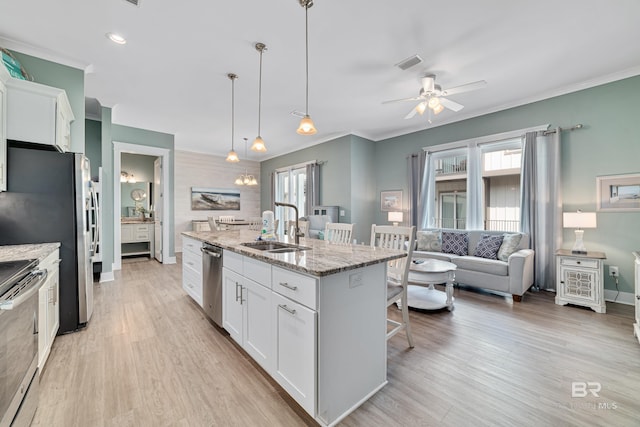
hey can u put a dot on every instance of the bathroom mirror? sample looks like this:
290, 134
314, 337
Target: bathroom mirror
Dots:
135, 195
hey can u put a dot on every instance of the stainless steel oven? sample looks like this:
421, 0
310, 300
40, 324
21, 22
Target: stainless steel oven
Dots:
19, 286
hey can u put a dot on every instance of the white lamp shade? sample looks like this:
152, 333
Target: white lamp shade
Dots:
395, 217
579, 219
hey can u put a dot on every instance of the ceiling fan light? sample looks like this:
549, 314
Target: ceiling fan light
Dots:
438, 109
421, 107
434, 102
258, 145
232, 157
306, 126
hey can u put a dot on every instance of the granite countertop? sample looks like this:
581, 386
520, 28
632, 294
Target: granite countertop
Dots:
322, 259
37, 251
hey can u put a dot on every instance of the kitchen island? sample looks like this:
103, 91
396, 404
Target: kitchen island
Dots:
314, 320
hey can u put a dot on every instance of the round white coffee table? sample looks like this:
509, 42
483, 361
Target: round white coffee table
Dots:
422, 276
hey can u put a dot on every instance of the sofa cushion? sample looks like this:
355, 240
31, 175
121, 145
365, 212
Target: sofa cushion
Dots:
488, 246
482, 265
455, 243
429, 241
509, 245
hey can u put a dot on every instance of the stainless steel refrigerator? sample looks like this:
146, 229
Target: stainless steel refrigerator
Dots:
48, 199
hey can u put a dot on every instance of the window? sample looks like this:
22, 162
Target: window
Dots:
476, 187
290, 187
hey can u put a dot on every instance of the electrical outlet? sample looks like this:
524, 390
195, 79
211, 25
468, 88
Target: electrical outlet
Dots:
613, 271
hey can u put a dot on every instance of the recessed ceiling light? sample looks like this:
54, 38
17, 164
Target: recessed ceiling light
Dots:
116, 38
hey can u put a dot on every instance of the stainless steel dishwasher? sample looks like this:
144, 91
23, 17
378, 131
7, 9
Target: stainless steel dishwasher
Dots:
212, 282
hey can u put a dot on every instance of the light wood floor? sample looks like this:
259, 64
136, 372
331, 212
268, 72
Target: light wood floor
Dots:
149, 357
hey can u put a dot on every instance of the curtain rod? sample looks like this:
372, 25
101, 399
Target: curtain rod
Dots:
574, 127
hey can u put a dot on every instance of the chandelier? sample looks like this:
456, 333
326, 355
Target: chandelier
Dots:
245, 179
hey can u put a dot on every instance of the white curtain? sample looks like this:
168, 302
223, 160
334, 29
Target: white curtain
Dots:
475, 191
541, 202
428, 194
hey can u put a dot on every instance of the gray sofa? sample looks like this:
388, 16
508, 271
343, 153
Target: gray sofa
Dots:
514, 276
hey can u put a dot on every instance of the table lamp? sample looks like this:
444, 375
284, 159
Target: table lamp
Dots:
579, 220
395, 218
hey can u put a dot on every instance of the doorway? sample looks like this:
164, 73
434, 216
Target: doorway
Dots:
160, 243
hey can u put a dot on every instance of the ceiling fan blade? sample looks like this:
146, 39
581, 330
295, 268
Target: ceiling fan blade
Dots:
415, 98
411, 113
465, 88
451, 105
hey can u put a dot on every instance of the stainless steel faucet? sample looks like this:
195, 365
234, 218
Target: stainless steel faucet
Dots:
297, 233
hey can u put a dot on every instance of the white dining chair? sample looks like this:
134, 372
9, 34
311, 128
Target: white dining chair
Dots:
215, 225
302, 224
336, 232
393, 237
255, 223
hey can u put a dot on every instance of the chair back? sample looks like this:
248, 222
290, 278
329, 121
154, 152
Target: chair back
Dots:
302, 224
336, 232
391, 237
255, 223
226, 218
214, 225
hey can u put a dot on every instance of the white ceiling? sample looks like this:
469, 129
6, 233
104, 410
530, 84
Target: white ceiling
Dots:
171, 75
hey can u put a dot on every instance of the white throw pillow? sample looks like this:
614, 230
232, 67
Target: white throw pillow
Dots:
509, 245
430, 241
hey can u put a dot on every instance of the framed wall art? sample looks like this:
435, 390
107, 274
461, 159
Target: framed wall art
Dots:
214, 199
618, 193
391, 200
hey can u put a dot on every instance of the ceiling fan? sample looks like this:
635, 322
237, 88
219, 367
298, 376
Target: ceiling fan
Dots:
432, 96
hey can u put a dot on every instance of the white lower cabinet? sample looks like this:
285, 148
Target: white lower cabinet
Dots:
295, 350
49, 310
246, 316
192, 268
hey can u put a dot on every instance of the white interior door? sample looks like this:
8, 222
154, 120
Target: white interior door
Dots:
157, 205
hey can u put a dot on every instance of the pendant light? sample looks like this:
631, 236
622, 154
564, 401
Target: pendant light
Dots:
306, 124
245, 179
258, 143
232, 157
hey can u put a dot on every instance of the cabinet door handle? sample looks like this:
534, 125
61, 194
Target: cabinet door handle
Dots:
287, 309
242, 299
237, 292
288, 286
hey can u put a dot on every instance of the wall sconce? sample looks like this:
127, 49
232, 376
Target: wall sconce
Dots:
127, 177
394, 217
579, 220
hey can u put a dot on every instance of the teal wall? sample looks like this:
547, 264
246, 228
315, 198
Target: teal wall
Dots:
607, 145
363, 188
63, 77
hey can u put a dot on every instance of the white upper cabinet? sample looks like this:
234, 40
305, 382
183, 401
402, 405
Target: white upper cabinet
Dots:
38, 114
4, 75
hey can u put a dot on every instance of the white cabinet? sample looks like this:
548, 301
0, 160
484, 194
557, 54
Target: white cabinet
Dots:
3, 134
247, 309
39, 114
192, 268
636, 326
137, 239
580, 279
49, 311
295, 350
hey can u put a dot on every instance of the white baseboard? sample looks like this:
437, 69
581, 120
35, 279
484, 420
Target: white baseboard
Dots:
107, 277
623, 297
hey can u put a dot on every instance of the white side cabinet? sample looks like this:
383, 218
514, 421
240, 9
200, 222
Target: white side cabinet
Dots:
580, 279
49, 311
636, 326
192, 268
39, 114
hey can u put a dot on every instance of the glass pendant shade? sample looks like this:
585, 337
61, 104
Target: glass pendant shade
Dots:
306, 126
232, 157
421, 107
438, 109
433, 102
258, 145
239, 181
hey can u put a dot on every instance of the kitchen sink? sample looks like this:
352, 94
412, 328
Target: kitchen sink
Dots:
275, 247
